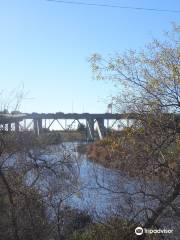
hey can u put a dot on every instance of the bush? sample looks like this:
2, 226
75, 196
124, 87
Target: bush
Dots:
113, 229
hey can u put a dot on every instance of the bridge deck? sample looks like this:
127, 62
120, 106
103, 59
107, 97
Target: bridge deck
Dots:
79, 116
11, 118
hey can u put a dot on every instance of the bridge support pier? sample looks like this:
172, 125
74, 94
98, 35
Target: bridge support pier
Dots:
40, 125
100, 127
16, 126
9, 127
36, 129
90, 129
37, 126
128, 122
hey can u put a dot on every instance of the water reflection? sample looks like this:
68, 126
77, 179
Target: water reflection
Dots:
103, 191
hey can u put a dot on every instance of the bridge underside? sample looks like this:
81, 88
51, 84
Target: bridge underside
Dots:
40, 123
92, 127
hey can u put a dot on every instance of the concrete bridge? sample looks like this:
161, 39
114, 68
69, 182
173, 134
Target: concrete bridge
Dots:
40, 122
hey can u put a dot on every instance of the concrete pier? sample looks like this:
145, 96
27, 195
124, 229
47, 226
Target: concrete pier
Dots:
90, 129
16, 126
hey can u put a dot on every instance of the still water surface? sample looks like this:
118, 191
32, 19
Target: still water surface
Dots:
102, 190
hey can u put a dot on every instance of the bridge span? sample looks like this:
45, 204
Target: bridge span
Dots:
39, 122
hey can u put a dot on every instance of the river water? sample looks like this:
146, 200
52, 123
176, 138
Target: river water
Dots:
103, 191
85, 185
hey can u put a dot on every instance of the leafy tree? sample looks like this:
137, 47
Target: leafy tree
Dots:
151, 75
149, 83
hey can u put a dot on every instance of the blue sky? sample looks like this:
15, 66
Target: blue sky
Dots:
45, 45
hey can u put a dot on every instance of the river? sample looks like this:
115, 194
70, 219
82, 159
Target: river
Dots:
103, 191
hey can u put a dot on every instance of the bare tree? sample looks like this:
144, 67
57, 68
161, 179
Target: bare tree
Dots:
149, 150
35, 182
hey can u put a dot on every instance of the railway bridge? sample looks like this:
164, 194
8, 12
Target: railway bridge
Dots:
41, 122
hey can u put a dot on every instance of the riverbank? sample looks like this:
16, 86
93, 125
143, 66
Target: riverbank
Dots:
57, 137
49, 138
116, 153
99, 153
